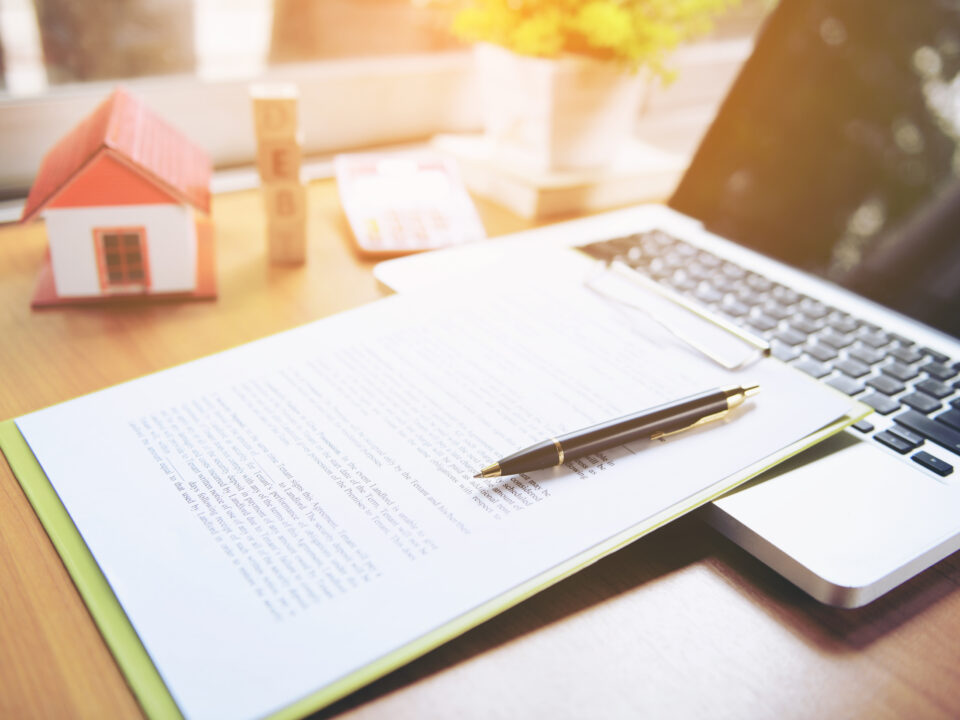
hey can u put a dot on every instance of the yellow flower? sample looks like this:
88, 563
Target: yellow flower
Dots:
633, 32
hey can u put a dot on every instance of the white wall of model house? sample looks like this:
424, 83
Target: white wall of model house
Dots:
171, 246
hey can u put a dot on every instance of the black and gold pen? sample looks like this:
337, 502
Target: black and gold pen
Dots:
653, 423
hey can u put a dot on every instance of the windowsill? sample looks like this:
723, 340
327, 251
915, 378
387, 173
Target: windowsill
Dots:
367, 103
342, 105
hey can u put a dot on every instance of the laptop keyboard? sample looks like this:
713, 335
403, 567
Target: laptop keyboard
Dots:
914, 390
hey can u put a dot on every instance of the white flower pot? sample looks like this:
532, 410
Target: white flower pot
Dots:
545, 114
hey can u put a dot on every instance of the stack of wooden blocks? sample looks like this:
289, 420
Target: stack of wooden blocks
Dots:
279, 151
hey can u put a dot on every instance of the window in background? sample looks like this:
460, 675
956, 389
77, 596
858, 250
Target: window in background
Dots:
57, 42
192, 60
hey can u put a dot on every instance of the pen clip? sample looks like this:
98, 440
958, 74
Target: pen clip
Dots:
702, 421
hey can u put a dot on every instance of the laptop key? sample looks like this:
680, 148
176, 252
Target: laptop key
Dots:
723, 283
697, 271
933, 463
886, 384
863, 426
708, 259
758, 282
938, 370
814, 309
785, 295
708, 294
803, 324
635, 257
684, 249
776, 310
873, 338
865, 354
881, 403
783, 352
674, 260
681, 280
749, 296
818, 370
905, 354
906, 435
652, 245
900, 371
732, 271
951, 418
734, 307
935, 388
845, 384
921, 402
789, 336
834, 339
932, 430
842, 323
821, 352
938, 356
762, 322
893, 442
851, 367
658, 269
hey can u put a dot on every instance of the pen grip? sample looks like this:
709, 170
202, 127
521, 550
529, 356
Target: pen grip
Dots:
662, 418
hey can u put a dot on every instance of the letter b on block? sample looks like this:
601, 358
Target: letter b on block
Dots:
285, 202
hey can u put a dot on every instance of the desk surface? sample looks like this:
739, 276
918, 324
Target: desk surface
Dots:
680, 623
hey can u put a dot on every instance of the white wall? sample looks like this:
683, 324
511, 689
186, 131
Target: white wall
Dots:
171, 245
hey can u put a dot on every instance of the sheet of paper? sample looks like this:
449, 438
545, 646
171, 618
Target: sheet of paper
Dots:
278, 516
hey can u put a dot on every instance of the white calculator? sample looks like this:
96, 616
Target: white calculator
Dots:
405, 203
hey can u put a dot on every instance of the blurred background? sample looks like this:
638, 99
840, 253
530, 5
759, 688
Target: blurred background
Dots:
353, 59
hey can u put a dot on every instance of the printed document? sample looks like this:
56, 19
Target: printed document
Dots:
277, 517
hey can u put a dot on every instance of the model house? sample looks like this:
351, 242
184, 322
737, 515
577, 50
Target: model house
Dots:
120, 195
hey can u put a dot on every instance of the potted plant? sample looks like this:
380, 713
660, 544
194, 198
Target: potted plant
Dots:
561, 80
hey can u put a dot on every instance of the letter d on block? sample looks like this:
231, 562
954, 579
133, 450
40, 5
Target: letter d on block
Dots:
275, 111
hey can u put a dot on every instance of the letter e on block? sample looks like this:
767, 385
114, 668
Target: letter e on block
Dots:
279, 162
275, 111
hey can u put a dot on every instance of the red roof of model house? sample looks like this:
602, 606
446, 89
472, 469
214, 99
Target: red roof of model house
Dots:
121, 154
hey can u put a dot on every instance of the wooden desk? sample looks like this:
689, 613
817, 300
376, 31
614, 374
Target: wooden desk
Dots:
679, 624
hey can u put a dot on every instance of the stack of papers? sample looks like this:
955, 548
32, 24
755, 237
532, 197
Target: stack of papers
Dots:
265, 530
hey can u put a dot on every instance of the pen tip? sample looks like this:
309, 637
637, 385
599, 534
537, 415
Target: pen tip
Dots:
489, 471
751, 390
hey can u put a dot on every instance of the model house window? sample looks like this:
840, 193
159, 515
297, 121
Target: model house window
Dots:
122, 258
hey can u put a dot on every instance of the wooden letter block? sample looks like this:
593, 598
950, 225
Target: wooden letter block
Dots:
274, 111
285, 202
279, 161
288, 241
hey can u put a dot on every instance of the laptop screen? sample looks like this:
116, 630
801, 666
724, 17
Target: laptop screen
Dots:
838, 151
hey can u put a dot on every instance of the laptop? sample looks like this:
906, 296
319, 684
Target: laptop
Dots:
822, 212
